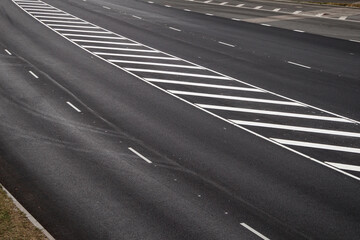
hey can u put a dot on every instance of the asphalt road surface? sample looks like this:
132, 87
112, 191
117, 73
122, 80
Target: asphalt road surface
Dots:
136, 120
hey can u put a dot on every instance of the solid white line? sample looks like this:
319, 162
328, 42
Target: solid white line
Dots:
275, 113
91, 36
175, 29
176, 73
64, 18
300, 65
38, 7
317, 145
202, 85
121, 49
72, 26
48, 14
258, 7
105, 42
297, 128
197, 94
297, 12
106, 7
266, 25
156, 64
8, 52
59, 21
353, 40
27, 214
226, 44
300, 31
345, 166
277, 9
140, 155
43, 10
71, 105
80, 31
133, 56
136, 17
254, 231
34, 75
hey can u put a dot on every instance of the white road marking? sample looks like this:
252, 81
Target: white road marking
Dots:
59, 21
134, 56
317, 145
106, 42
175, 29
235, 19
353, 40
254, 231
150, 2
319, 14
298, 64
80, 31
226, 44
187, 10
38, 7
140, 155
297, 128
208, 1
121, 49
266, 25
197, 94
202, 85
258, 7
33, 74
209, 14
48, 14
297, 12
177, 73
43, 10
136, 17
8, 52
157, 64
71, 105
106, 7
275, 113
277, 9
345, 166
63, 18
168, 6
73, 26
300, 31
223, 3
240, 5
343, 17
91, 36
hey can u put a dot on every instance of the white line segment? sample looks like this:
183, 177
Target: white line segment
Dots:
298, 64
33, 74
177, 73
72, 105
254, 231
226, 44
342, 166
175, 29
140, 155
8, 52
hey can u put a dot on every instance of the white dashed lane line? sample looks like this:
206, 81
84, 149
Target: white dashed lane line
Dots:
73, 106
209, 14
288, 122
33, 74
136, 17
140, 155
254, 231
266, 25
175, 29
106, 7
300, 31
187, 10
8, 52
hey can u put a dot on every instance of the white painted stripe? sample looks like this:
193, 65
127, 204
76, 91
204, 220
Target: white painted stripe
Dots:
345, 166
33, 74
353, 40
254, 231
63, 18
106, 7
209, 14
156, 64
32, 4
167, 6
235, 19
136, 17
266, 25
223, 3
317, 145
48, 14
80, 31
277, 9
275, 113
208, 1
105, 42
202, 85
297, 12
71, 105
150, 2
188, 10
175, 29
44, 6
298, 64
240, 5
226, 44
300, 31
91, 36
134, 56
177, 73
122, 49
43, 10
319, 14
59, 21
140, 155
72, 26
297, 128
8, 52
343, 17
197, 94
258, 7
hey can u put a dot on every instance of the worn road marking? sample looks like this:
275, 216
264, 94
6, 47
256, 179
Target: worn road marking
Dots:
71, 105
298, 64
33, 74
226, 44
175, 29
140, 155
254, 231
